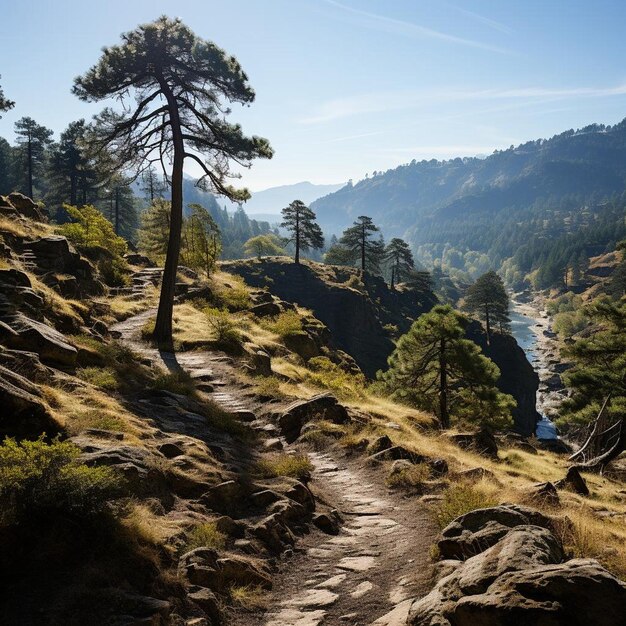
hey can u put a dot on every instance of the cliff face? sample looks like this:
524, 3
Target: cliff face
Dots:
517, 377
356, 314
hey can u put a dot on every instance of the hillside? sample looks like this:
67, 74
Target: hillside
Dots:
496, 205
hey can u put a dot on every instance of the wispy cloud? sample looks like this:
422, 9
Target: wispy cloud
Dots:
396, 26
387, 101
357, 136
487, 21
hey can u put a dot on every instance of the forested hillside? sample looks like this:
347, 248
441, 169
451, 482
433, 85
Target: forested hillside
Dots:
506, 205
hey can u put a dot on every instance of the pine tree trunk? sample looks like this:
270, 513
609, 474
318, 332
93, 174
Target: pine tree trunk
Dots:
30, 168
297, 258
488, 324
363, 250
444, 418
163, 326
391, 286
117, 210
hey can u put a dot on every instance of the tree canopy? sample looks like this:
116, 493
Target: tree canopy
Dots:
488, 300
399, 256
5, 103
177, 89
263, 245
299, 221
359, 241
33, 138
435, 368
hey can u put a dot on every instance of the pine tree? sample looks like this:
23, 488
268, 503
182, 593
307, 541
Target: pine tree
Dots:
299, 220
398, 254
33, 140
119, 204
487, 298
155, 229
178, 88
152, 185
201, 244
435, 368
358, 240
5, 103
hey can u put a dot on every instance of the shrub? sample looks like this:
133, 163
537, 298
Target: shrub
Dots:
250, 597
227, 337
354, 282
234, 295
324, 373
268, 386
287, 323
36, 476
293, 465
460, 499
206, 536
179, 382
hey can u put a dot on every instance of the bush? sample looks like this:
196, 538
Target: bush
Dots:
460, 499
234, 295
324, 373
36, 476
294, 465
206, 536
269, 386
179, 382
103, 377
287, 323
227, 337
411, 478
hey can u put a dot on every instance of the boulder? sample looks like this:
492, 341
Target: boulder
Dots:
23, 413
577, 593
328, 523
237, 570
574, 482
138, 259
207, 601
381, 443
322, 406
22, 333
483, 442
26, 207
302, 344
544, 493
265, 309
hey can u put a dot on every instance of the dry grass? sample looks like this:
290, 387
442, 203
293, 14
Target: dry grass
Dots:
463, 497
57, 304
205, 535
411, 478
250, 597
122, 307
293, 465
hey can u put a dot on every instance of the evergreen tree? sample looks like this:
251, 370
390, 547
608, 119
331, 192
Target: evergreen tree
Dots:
299, 220
152, 185
5, 103
399, 256
487, 298
340, 255
358, 239
33, 140
180, 87
435, 368
154, 230
7, 169
119, 204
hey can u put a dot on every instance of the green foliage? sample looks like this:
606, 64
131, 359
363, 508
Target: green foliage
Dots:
263, 245
103, 377
33, 140
400, 259
91, 230
358, 241
488, 300
293, 465
599, 365
435, 368
226, 335
205, 535
5, 103
324, 373
299, 221
200, 244
154, 230
178, 381
286, 323
36, 476
410, 478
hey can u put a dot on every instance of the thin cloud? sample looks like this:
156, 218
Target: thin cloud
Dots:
350, 137
393, 25
487, 21
341, 108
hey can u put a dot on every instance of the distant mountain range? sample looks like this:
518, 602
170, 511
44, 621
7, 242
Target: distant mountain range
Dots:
443, 201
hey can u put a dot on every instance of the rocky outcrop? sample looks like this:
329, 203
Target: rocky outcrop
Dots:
505, 567
355, 317
517, 376
19, 205
297, 414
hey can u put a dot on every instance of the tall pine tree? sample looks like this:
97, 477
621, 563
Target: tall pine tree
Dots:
400, 258
299, 220
358, 239
33, 139
488, 300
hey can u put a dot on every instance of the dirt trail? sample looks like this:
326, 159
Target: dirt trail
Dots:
364, 576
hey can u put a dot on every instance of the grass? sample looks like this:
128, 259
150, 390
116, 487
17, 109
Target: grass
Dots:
292, 465
205, 535
179, 382
250, 597
103, 377
269, 386
410, 478
462, 498
121, 307
284, 324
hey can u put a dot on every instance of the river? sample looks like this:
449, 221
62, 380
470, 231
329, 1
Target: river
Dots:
529, 329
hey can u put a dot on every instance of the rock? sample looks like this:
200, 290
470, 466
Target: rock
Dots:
265, 309
170, 450
555, 445
20, 332
273, 444
259, 360
23, 413
243, 415
273, 533
468, 544
483, 442
264, 498
322, 406
327, 522
230, 527
381, 443
543, 492
577, 593
224, 497
152, 609
139, 260
300, 493
89, 357
241, 571
207, 601
26, 207
574, 482
475, 474
202, 575
302, 344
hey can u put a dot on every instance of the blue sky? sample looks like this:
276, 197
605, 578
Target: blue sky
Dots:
346, 87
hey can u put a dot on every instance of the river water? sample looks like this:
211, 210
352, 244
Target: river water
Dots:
526, 329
